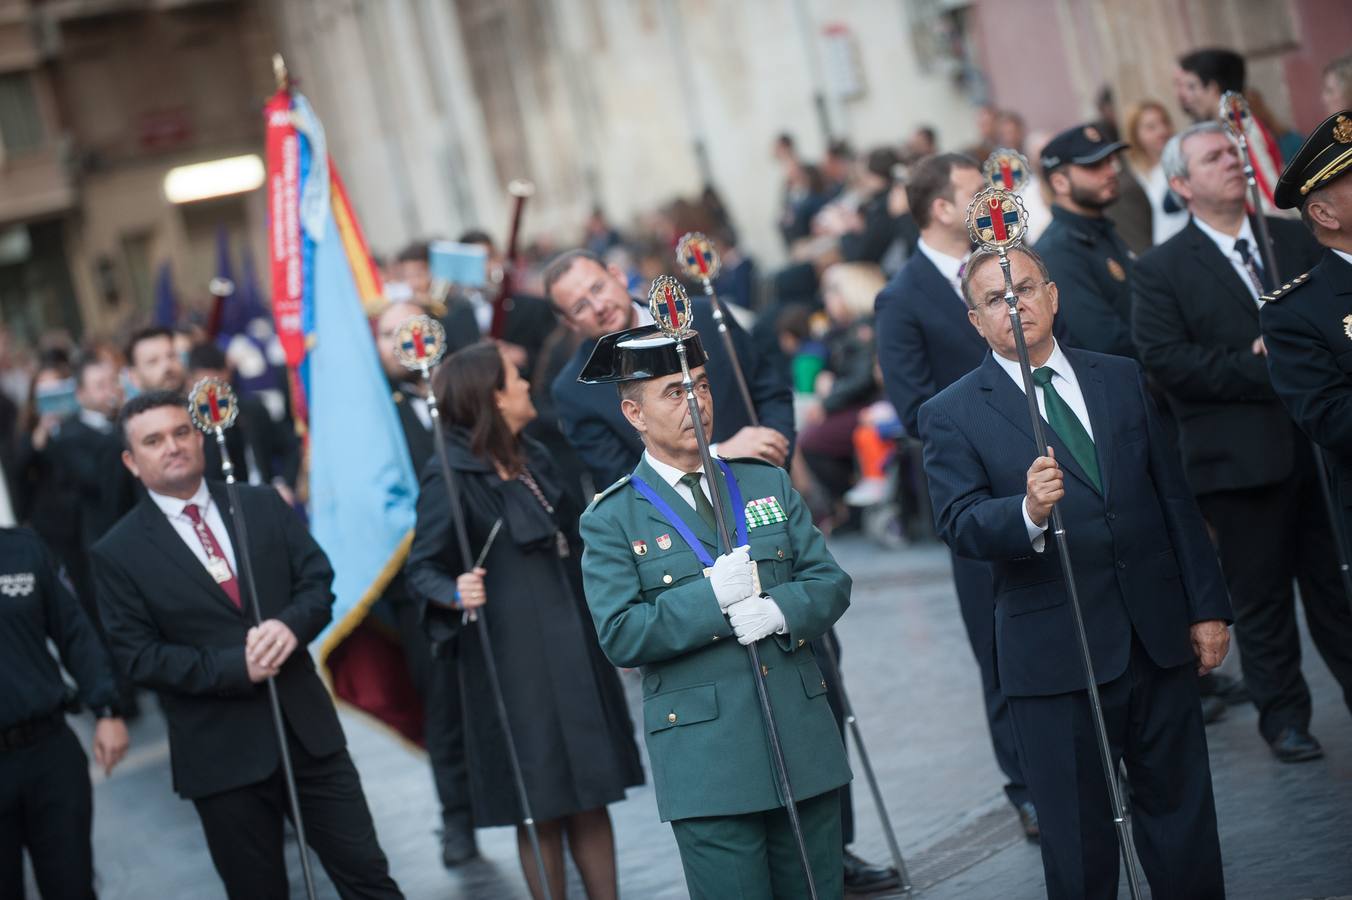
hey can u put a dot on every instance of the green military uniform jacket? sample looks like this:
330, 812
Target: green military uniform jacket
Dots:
655, 610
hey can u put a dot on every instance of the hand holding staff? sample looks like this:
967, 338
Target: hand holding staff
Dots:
211, 404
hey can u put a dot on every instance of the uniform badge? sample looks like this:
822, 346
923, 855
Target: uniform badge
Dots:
764, 511
1342, 130
1006, 169
19, 584
1115, 269
640, 548
1092, 134
996, 218
1347, 327
211, 404
664, 542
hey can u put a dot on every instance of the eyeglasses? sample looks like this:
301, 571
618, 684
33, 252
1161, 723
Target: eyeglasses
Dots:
590, 302
1024, 291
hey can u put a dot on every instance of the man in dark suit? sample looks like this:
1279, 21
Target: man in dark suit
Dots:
1308, 335
925, 343
1154, 602
263, 450
1196, 325
178, 621
591, 299
435, 670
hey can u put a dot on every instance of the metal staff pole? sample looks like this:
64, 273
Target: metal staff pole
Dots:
212, 406
671, 310
997, 221
1234, 111
698, 258
419, 344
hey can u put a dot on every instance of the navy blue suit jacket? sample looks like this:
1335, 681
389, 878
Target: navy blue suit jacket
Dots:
1143, 561
925, 342
590, 417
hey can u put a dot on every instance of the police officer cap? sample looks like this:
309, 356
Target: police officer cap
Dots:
1325, 155
1082, 145
639, 354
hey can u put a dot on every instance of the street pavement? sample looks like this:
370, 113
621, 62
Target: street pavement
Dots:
1284, 829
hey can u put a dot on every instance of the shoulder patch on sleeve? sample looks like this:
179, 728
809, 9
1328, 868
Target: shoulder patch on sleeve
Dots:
608, 491
1287, 288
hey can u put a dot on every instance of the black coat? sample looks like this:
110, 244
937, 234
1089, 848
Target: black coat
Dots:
262, 450
590, 417
530, 320
1194, 323
564, 700
173, 630
1092, 268
1309, 343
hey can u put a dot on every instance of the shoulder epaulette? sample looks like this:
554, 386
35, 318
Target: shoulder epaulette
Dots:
610, 490
1286, 288
750, 460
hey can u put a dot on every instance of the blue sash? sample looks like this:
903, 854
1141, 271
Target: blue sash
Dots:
675, 521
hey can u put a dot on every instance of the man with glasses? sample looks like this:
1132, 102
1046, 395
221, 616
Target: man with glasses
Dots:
591, 299
1154, 602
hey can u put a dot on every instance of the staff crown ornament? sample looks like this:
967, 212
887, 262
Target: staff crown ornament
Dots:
996, 219
670, 306
420, 343
212, 406
696, 256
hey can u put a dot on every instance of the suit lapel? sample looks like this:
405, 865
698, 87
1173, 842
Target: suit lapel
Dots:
946, 303
679, 505
1009, 401
166, 539
1206, 250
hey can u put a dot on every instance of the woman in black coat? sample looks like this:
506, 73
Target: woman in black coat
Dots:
564, 701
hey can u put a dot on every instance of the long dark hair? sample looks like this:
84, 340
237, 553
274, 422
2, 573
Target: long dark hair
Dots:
465, 383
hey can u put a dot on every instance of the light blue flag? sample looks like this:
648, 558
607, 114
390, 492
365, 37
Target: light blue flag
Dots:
363, 490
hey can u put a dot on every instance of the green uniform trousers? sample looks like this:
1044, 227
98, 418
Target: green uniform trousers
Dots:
754, 856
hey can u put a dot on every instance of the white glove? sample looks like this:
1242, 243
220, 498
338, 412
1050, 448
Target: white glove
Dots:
755, 618
730, 576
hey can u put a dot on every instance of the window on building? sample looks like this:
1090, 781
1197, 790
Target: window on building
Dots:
20, 119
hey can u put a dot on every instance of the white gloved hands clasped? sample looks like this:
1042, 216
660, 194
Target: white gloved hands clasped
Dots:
755, 618
731, 577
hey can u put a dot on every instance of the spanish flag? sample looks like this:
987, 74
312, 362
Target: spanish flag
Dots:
362, 487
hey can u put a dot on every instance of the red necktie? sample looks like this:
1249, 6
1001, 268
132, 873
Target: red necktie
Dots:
216, 560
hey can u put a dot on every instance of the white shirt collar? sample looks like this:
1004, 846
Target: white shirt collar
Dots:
172, 506
644, 316
95, 419
948, 266
1225, 243
1057, 361
670, 474
1347, 257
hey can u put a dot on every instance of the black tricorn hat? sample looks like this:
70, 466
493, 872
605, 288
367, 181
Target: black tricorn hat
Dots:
1325, 155
639, 354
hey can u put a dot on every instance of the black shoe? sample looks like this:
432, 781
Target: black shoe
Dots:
1231, 690
1028, 819
457, 846
1295, 745
865, 878
1213, 709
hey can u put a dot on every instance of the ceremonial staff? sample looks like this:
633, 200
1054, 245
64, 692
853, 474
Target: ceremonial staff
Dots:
699, 259
521, 191
1234, 113
211, 404
671, 311
419, 345
996, 220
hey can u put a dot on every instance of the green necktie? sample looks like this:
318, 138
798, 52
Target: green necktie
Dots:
702, 504
1068, 426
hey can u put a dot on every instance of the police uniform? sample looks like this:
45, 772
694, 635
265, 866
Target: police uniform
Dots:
702, 723
1088, 260
1307, 322
45, 794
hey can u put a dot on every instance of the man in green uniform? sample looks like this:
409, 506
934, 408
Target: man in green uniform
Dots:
665, 601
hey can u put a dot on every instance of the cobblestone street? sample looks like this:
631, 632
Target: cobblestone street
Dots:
1284, 828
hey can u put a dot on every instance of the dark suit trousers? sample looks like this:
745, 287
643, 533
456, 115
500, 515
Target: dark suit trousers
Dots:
438, 683
1154, 721
244, 830
976, 599
46, 807
1269, 537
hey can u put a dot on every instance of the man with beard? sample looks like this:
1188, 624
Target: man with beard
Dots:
1081, 247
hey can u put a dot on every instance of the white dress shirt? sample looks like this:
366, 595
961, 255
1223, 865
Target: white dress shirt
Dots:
949, 266
1226, 244
1347, 257
1067, 386
672, 476
172, 507
1163, 225
95, 420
